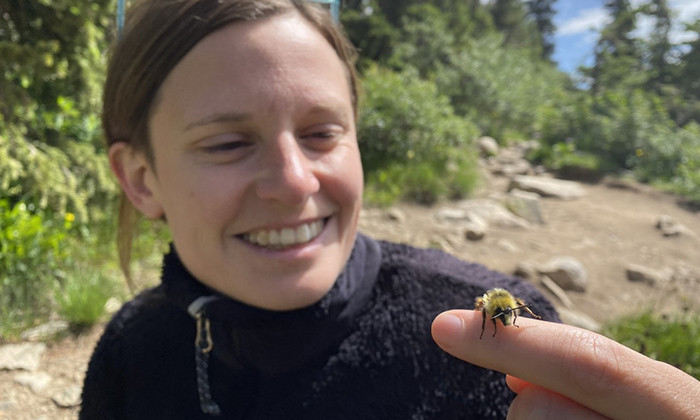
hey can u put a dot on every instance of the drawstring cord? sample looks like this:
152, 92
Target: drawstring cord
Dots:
203, 344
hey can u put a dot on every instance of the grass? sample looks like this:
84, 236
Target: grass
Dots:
671, 339
82, 296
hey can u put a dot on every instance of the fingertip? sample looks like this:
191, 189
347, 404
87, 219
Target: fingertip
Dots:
448, 329
516, 384
453, 328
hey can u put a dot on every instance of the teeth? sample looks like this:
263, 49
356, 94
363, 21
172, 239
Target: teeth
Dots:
287, 236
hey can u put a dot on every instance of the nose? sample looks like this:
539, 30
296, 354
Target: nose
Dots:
287, 173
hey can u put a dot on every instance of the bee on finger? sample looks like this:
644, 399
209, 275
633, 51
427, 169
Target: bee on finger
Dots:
500, 304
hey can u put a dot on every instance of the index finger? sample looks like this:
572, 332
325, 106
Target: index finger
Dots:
581, 365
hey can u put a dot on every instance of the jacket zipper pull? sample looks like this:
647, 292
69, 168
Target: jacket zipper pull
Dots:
203, 344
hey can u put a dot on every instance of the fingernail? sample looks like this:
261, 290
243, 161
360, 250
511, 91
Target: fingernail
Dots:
448, 329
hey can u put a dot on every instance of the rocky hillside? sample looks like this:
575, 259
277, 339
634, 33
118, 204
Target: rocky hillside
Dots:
598, 251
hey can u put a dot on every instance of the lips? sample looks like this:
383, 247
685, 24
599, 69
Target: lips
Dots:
286, 237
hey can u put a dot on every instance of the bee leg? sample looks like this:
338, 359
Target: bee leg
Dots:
494, 327
532, 313
483, 323
515, 318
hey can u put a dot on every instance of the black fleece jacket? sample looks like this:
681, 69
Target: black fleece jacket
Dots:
363, 352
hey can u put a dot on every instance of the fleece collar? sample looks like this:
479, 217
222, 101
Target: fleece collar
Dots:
277, 342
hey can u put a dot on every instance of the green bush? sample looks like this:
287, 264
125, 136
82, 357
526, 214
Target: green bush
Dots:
82, 296
501, 87
669, 339
74, 178
687, 177
31, 256
563, 155
412, 144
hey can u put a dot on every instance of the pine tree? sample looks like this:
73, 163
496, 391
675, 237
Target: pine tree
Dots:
616, 54
510, 17
542, 11
659, 43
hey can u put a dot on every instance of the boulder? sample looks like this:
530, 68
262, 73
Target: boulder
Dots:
488, 146
548, 187
26, 356
526, 205
567, 272
640, 274
494, 213
36, 381
669, 226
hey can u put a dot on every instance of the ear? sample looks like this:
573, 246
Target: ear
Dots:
137, 179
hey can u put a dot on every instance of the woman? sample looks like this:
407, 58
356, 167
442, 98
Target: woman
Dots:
234, 121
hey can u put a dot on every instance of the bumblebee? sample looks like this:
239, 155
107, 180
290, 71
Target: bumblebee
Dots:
500, 304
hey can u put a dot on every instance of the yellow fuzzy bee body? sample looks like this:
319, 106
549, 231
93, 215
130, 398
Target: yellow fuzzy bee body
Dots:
500, 304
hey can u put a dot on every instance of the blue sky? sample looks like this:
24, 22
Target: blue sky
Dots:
577, 20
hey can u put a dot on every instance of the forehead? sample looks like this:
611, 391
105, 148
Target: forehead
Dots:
249, 60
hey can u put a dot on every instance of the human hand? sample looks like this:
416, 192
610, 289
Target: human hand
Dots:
564, 372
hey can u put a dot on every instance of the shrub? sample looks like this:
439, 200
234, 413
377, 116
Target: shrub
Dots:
668, 339
31, 257
501, 87
67, 179
412, 144
82, 295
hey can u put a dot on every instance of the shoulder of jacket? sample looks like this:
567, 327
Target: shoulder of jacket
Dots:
149, 308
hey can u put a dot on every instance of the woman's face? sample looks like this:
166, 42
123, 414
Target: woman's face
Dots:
257, 169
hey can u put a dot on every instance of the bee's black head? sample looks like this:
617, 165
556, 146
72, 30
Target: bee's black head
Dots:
505, 315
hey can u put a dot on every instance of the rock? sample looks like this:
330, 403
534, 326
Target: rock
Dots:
68, 397
44, 331
396, 215
557, 291
526, 271
36, 381
519, 167
510, 156
567, 272
112, 305
25, 356
548, 187
488, 146
493, 213
526, 205
578, 319
507, 246
640, 274
669, 226
476, 228
451, 215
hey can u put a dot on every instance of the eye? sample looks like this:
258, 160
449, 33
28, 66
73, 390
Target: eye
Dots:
324, 136
224, 147
223, 144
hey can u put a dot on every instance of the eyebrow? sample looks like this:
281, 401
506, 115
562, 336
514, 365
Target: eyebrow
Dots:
230, 117
223, 117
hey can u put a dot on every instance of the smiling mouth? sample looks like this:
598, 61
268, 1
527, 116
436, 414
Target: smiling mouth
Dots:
285, 238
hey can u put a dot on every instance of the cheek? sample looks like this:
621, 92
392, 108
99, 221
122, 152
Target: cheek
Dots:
201, 195
345, 180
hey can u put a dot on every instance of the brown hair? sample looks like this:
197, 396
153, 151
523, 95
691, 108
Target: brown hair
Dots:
157, 35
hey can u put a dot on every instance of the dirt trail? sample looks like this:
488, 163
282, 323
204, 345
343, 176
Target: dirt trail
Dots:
607, 229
